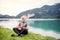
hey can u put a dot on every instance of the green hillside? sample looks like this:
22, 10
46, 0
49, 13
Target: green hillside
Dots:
5, 34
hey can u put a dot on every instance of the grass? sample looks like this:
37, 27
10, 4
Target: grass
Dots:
5, 34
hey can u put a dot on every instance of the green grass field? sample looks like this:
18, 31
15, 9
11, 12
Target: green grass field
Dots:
5, 34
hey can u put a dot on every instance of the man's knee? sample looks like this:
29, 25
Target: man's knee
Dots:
25, 32
14, 28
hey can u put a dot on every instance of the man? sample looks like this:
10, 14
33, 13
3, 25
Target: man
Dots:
22, 28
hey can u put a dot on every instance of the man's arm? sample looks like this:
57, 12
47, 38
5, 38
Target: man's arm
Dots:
19, 26
27, 27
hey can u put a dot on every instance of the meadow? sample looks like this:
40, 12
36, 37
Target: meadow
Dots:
5, 34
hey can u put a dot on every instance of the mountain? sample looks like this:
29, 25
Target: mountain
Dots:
6, 16
44, 12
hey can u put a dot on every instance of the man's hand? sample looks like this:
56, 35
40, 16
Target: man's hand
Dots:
27, 27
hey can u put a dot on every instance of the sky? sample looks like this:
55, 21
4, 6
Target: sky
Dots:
14, 7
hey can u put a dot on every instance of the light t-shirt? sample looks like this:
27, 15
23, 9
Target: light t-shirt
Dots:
24, 25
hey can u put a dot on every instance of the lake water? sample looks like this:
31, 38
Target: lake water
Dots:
43, 27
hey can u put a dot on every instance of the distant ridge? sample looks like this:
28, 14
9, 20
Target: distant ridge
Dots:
45, 12
6, 16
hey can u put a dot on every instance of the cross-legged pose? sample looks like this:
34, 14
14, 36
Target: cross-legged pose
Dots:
22, 28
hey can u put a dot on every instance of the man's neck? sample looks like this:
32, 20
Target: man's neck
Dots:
23, 21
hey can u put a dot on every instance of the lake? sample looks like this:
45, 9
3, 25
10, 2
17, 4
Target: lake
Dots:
46, 27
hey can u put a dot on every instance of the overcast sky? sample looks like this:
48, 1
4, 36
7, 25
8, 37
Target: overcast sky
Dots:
14, 7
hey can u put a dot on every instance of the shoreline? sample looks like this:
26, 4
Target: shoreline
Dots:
45, 33
27, 19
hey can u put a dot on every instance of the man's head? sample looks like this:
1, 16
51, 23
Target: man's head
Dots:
24, 18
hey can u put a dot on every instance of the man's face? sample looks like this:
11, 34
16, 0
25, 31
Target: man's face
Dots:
23, 19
